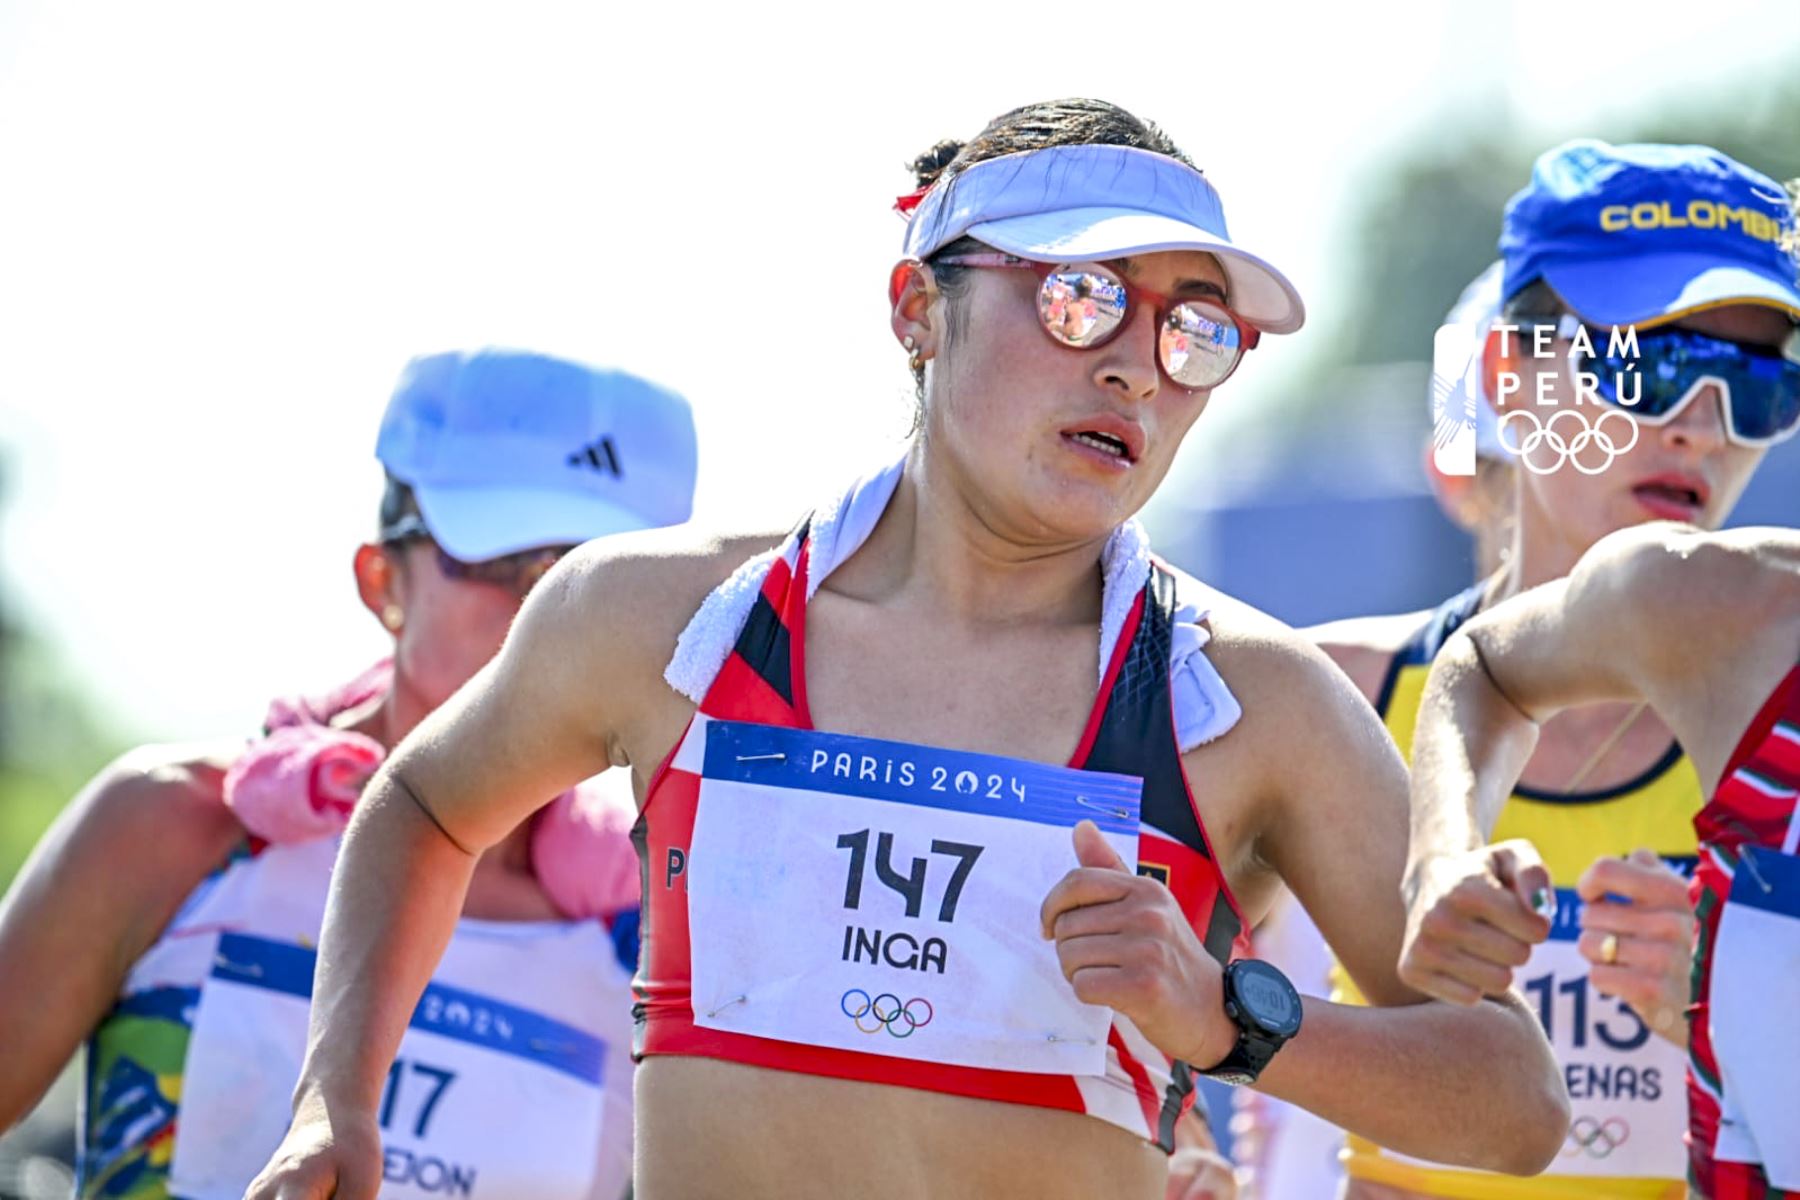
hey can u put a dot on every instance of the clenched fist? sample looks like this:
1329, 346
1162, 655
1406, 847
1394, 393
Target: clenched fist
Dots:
1123, 942
1472, 918
328, 1154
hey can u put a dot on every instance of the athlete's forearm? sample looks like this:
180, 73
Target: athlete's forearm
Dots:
1468, 749
1476, 1087
87, 904
395, 897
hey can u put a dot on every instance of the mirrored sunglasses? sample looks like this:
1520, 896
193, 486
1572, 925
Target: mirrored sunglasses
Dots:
1761, 386
1199, 343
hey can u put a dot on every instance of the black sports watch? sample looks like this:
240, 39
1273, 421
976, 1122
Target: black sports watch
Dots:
1266, 1009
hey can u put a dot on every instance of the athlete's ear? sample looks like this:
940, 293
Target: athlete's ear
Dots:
1500, 357
913, 294
379, 581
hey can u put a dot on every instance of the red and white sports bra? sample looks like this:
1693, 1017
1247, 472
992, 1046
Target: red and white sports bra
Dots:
1131, 731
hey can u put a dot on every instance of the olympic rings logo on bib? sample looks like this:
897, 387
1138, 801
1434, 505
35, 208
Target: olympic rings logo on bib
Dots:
886, 1011
1567, 449
1595, 1138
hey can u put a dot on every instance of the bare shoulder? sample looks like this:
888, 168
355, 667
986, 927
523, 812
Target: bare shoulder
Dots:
643, 587
584, 663
1307, 751
1286, 684
1364, 647
1680, 575
169, 797
176, 791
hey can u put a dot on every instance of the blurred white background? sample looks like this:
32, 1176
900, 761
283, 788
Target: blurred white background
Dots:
225, 225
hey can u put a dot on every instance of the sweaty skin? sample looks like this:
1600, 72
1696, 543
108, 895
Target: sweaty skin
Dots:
967, 620
1699, 626
1330, 816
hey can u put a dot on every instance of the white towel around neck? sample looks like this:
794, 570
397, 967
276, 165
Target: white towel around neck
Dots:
1204, 705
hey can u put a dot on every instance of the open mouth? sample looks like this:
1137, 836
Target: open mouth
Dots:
1669, 497
1102, 443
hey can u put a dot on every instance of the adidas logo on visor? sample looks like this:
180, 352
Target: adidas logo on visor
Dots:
600, 455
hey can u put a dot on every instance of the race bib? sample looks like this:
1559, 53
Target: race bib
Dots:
1627, 1089
881, 897
451, 1110
1755, 986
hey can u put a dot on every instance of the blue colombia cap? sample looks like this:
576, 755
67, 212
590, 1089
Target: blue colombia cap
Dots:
1646, 233
507, 450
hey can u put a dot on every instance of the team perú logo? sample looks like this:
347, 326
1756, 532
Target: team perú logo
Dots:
1591, 433
1544, 432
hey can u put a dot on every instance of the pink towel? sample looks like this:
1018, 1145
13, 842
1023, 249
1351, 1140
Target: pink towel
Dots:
302, 778
300, 781
581, 850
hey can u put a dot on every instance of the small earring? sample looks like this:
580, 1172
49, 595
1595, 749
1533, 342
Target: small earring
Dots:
916, 361
393, 617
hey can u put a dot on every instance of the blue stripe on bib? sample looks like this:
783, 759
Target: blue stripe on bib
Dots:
446, 1011
980, 784
1768, 880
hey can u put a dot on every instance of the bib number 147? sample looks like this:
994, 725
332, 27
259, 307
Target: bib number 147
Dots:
910, 885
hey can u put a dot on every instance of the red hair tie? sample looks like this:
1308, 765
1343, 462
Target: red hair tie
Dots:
904, 205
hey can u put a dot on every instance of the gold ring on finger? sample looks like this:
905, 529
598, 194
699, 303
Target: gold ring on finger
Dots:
1609, 949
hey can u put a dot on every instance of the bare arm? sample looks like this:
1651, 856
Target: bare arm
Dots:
1653, 613
1657, 613
90, 902
1419, 1077
561, 702
1310, 783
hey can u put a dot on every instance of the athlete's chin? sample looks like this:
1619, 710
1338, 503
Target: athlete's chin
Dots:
1079, 509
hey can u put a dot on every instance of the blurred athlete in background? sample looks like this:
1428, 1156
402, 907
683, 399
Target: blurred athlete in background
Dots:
169, 915
1609, 796
1705, 629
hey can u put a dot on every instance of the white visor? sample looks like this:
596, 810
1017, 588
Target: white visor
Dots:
1089, 203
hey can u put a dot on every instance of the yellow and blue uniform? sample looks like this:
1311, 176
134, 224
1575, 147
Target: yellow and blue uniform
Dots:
1628, 1106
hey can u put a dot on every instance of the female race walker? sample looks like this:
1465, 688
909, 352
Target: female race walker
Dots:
1609, 796
169, 915
1705, 628
868, 967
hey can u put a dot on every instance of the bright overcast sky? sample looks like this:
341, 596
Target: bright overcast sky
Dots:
224, 226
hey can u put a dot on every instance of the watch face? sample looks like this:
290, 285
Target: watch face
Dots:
1266, 997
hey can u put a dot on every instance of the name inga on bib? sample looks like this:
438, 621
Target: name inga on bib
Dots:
898, 862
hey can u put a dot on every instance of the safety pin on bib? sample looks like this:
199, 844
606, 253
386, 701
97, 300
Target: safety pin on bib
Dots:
1054, 1037
1749, 861
253, 970
715, 1012
1122, 813
761, 757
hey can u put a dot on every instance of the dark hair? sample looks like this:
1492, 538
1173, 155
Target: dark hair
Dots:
1073, 122
397, 502
1535, 299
